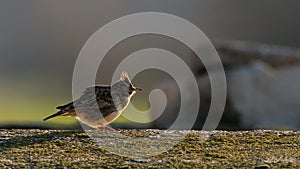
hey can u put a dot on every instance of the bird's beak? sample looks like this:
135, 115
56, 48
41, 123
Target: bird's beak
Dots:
137, 89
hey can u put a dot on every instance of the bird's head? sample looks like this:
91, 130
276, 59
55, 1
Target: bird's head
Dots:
125, 86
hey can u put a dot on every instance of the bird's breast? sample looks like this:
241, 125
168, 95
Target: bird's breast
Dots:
121, 103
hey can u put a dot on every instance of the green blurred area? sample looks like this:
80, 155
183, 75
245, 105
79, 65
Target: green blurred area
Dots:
28, 102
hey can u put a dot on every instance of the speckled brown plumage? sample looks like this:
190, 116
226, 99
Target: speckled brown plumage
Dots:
100, 103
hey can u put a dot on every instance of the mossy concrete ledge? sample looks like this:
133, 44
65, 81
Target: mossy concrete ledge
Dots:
224, 149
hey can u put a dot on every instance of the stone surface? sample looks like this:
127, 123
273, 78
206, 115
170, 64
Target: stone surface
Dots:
222, 149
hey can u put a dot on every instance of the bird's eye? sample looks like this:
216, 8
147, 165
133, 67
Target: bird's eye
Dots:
131, 87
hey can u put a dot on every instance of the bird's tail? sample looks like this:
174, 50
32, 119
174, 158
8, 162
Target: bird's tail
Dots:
59, 113
65, 110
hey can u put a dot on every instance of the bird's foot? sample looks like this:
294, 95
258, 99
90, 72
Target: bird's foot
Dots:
108, 128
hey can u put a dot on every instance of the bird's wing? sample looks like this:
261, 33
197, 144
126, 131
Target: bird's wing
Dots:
66, 107
96, 96
93, 98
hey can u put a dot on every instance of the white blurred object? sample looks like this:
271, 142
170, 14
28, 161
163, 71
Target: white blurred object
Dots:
264, 97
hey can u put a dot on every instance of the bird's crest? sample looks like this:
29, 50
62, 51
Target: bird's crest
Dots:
124, 77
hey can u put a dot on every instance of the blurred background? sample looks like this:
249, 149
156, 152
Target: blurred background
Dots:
257, 41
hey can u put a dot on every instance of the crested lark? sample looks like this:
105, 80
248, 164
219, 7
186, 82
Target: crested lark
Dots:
100, 105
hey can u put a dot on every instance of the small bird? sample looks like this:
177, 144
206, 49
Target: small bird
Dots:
101, 104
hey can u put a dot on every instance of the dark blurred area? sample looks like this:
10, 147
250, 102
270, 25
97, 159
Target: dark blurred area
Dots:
256, 40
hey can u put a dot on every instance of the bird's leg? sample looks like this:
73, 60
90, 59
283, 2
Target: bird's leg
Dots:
107, 127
